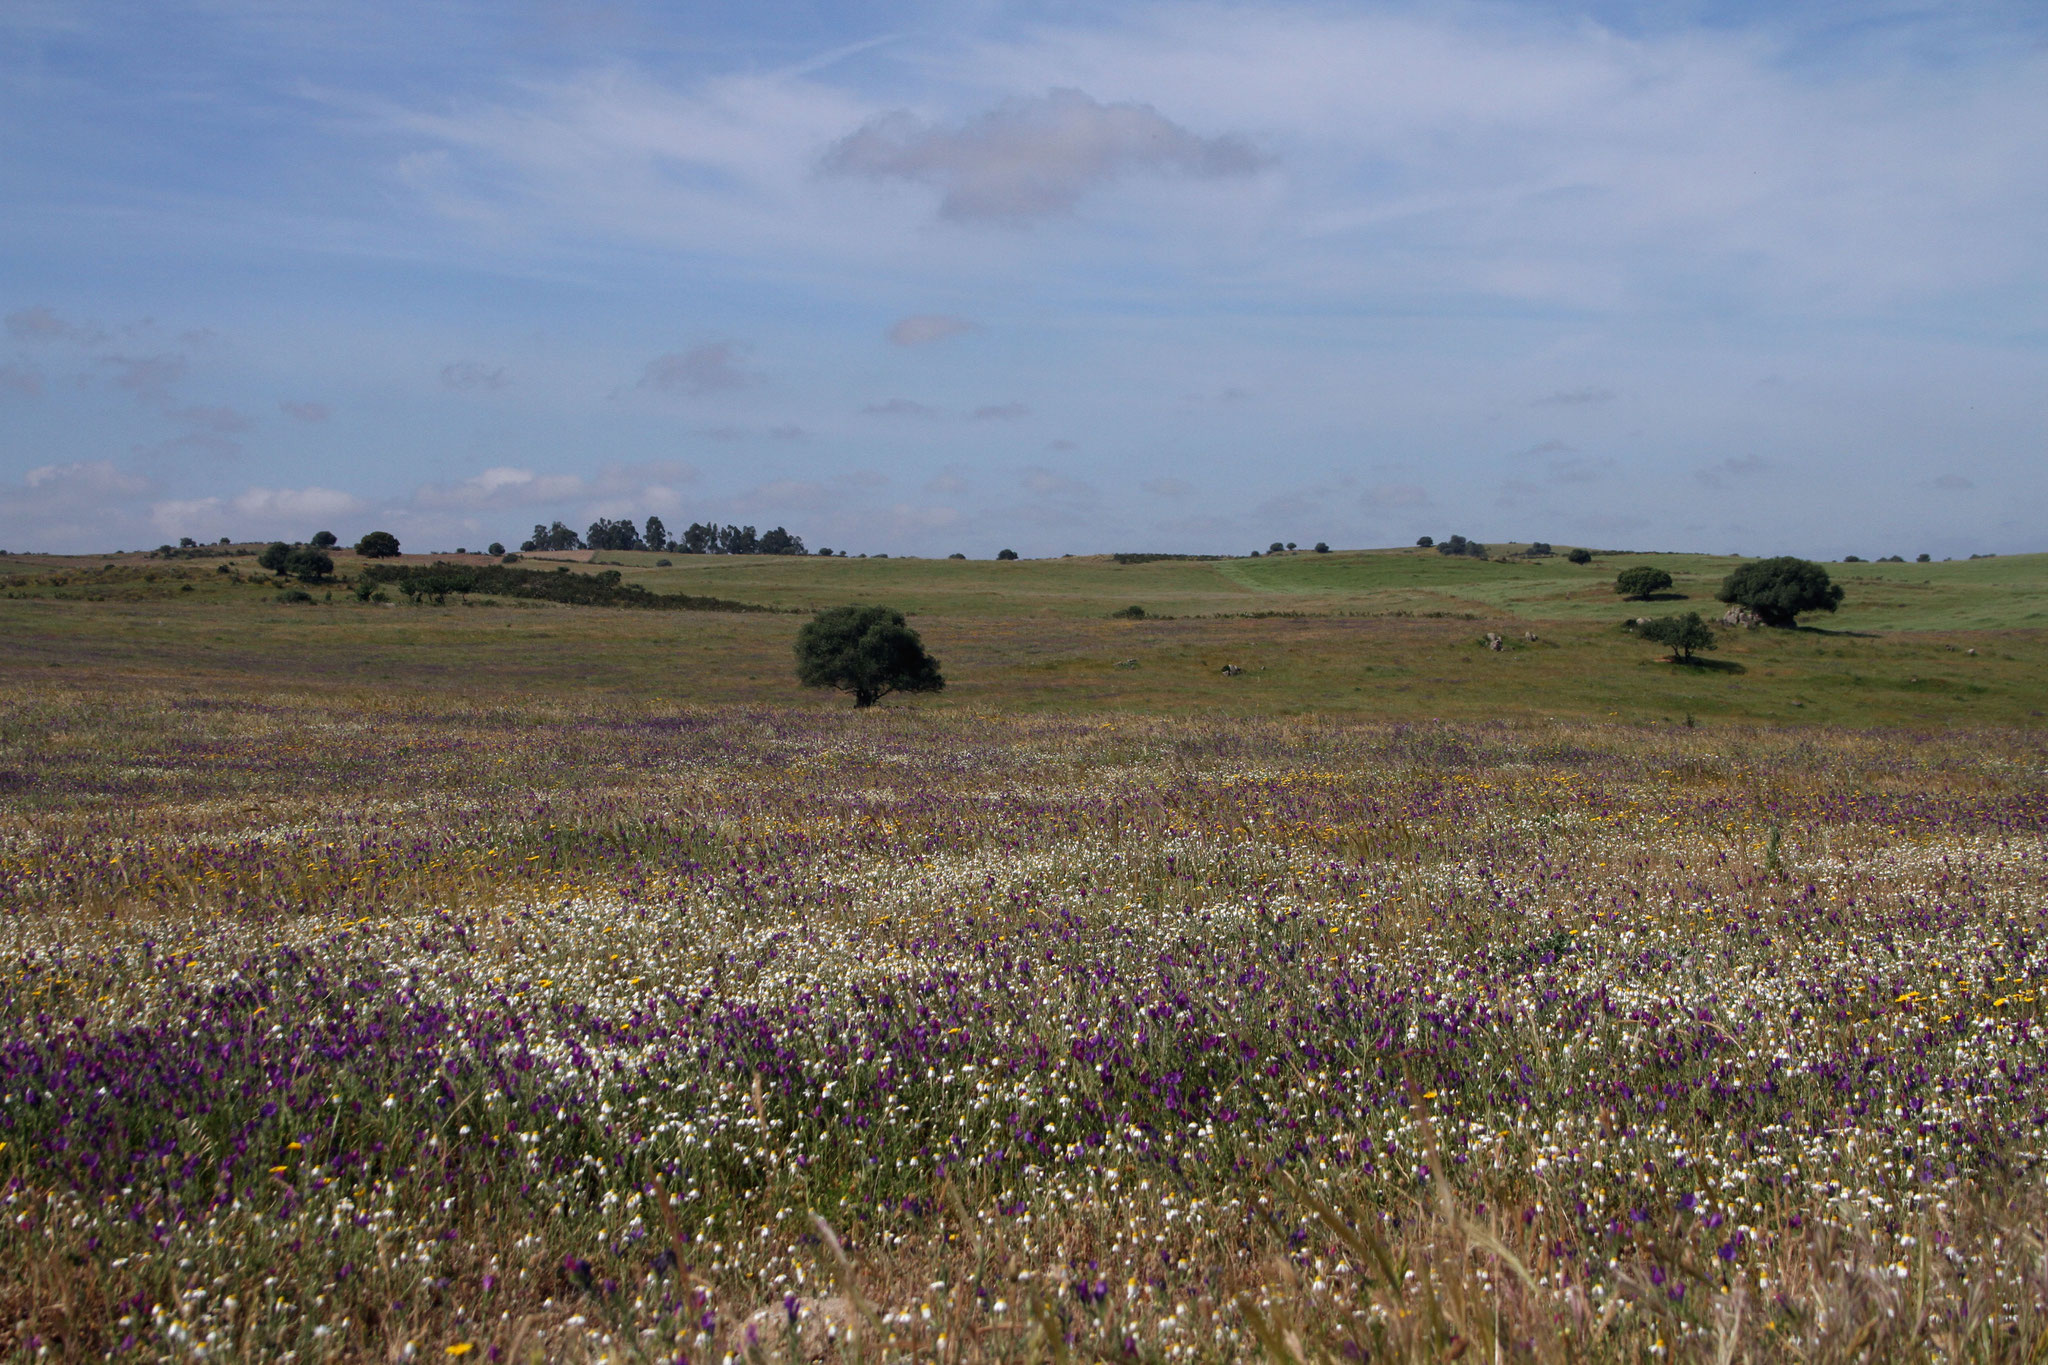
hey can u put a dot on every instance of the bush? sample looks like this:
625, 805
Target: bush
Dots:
1322, 547
1458, 545
497, 548
1538, 549
275, 556
1580, 556
1777, 590
664, 563
1922, 559
1275, 548
1424, 542
1680, 634
377, 545
295, 595
956, 555
1130, 613
868, 651
1639, 581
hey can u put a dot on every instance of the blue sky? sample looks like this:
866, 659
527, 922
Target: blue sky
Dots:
1066, 278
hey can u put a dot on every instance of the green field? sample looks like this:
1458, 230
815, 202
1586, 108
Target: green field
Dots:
1394, 633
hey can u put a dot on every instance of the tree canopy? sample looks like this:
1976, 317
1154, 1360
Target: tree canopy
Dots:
1638, 581
1777, 590
1679, 634
868, 651
377, 545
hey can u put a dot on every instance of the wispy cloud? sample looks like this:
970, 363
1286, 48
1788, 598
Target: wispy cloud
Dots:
923, 329
897, 407
467, 376
1027, 158
707, 369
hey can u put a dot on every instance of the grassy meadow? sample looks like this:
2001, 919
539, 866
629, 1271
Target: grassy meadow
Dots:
517, 982
1389, 634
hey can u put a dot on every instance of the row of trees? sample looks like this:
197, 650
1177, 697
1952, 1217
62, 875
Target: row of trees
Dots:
699, 538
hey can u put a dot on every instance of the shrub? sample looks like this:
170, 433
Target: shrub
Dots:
1778, 589
275, 556
1458, 545
1580, 556
496, 548
664, 563
1275, 548
1130, 613
1006, 554
1640, 580
1539, 548
1322, 547
1922, 559
868, 651
1424, 542
295, 595
956, 555
1680, 634
377, 545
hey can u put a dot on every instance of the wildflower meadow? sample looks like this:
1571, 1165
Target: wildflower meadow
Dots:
544, 1030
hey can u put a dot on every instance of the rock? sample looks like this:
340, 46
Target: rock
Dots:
1971, 652
1126, 663
1530, 636
822, 1327
1742, 617
1493, 642
1231, 670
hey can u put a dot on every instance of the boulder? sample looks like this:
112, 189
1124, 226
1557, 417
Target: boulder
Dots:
1231, 670
1741, 617
1493, 642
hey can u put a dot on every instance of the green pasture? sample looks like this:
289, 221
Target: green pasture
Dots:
1397, 633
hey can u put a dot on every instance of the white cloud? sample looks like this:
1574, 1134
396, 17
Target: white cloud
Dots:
295, 504
1030, 157
502, 487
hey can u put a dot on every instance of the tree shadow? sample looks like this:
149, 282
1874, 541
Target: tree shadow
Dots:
1660, 597
1708, 665
1823, 630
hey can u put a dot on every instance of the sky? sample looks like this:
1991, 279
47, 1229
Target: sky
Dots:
924, 278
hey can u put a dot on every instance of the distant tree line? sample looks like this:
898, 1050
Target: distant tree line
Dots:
699, 538
435, 582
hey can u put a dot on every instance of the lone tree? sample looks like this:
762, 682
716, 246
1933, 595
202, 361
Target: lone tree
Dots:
1581, 555
1777, 590
324, 540
867, 651
1639, 581
1679, 634
377, 545
1006, 554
